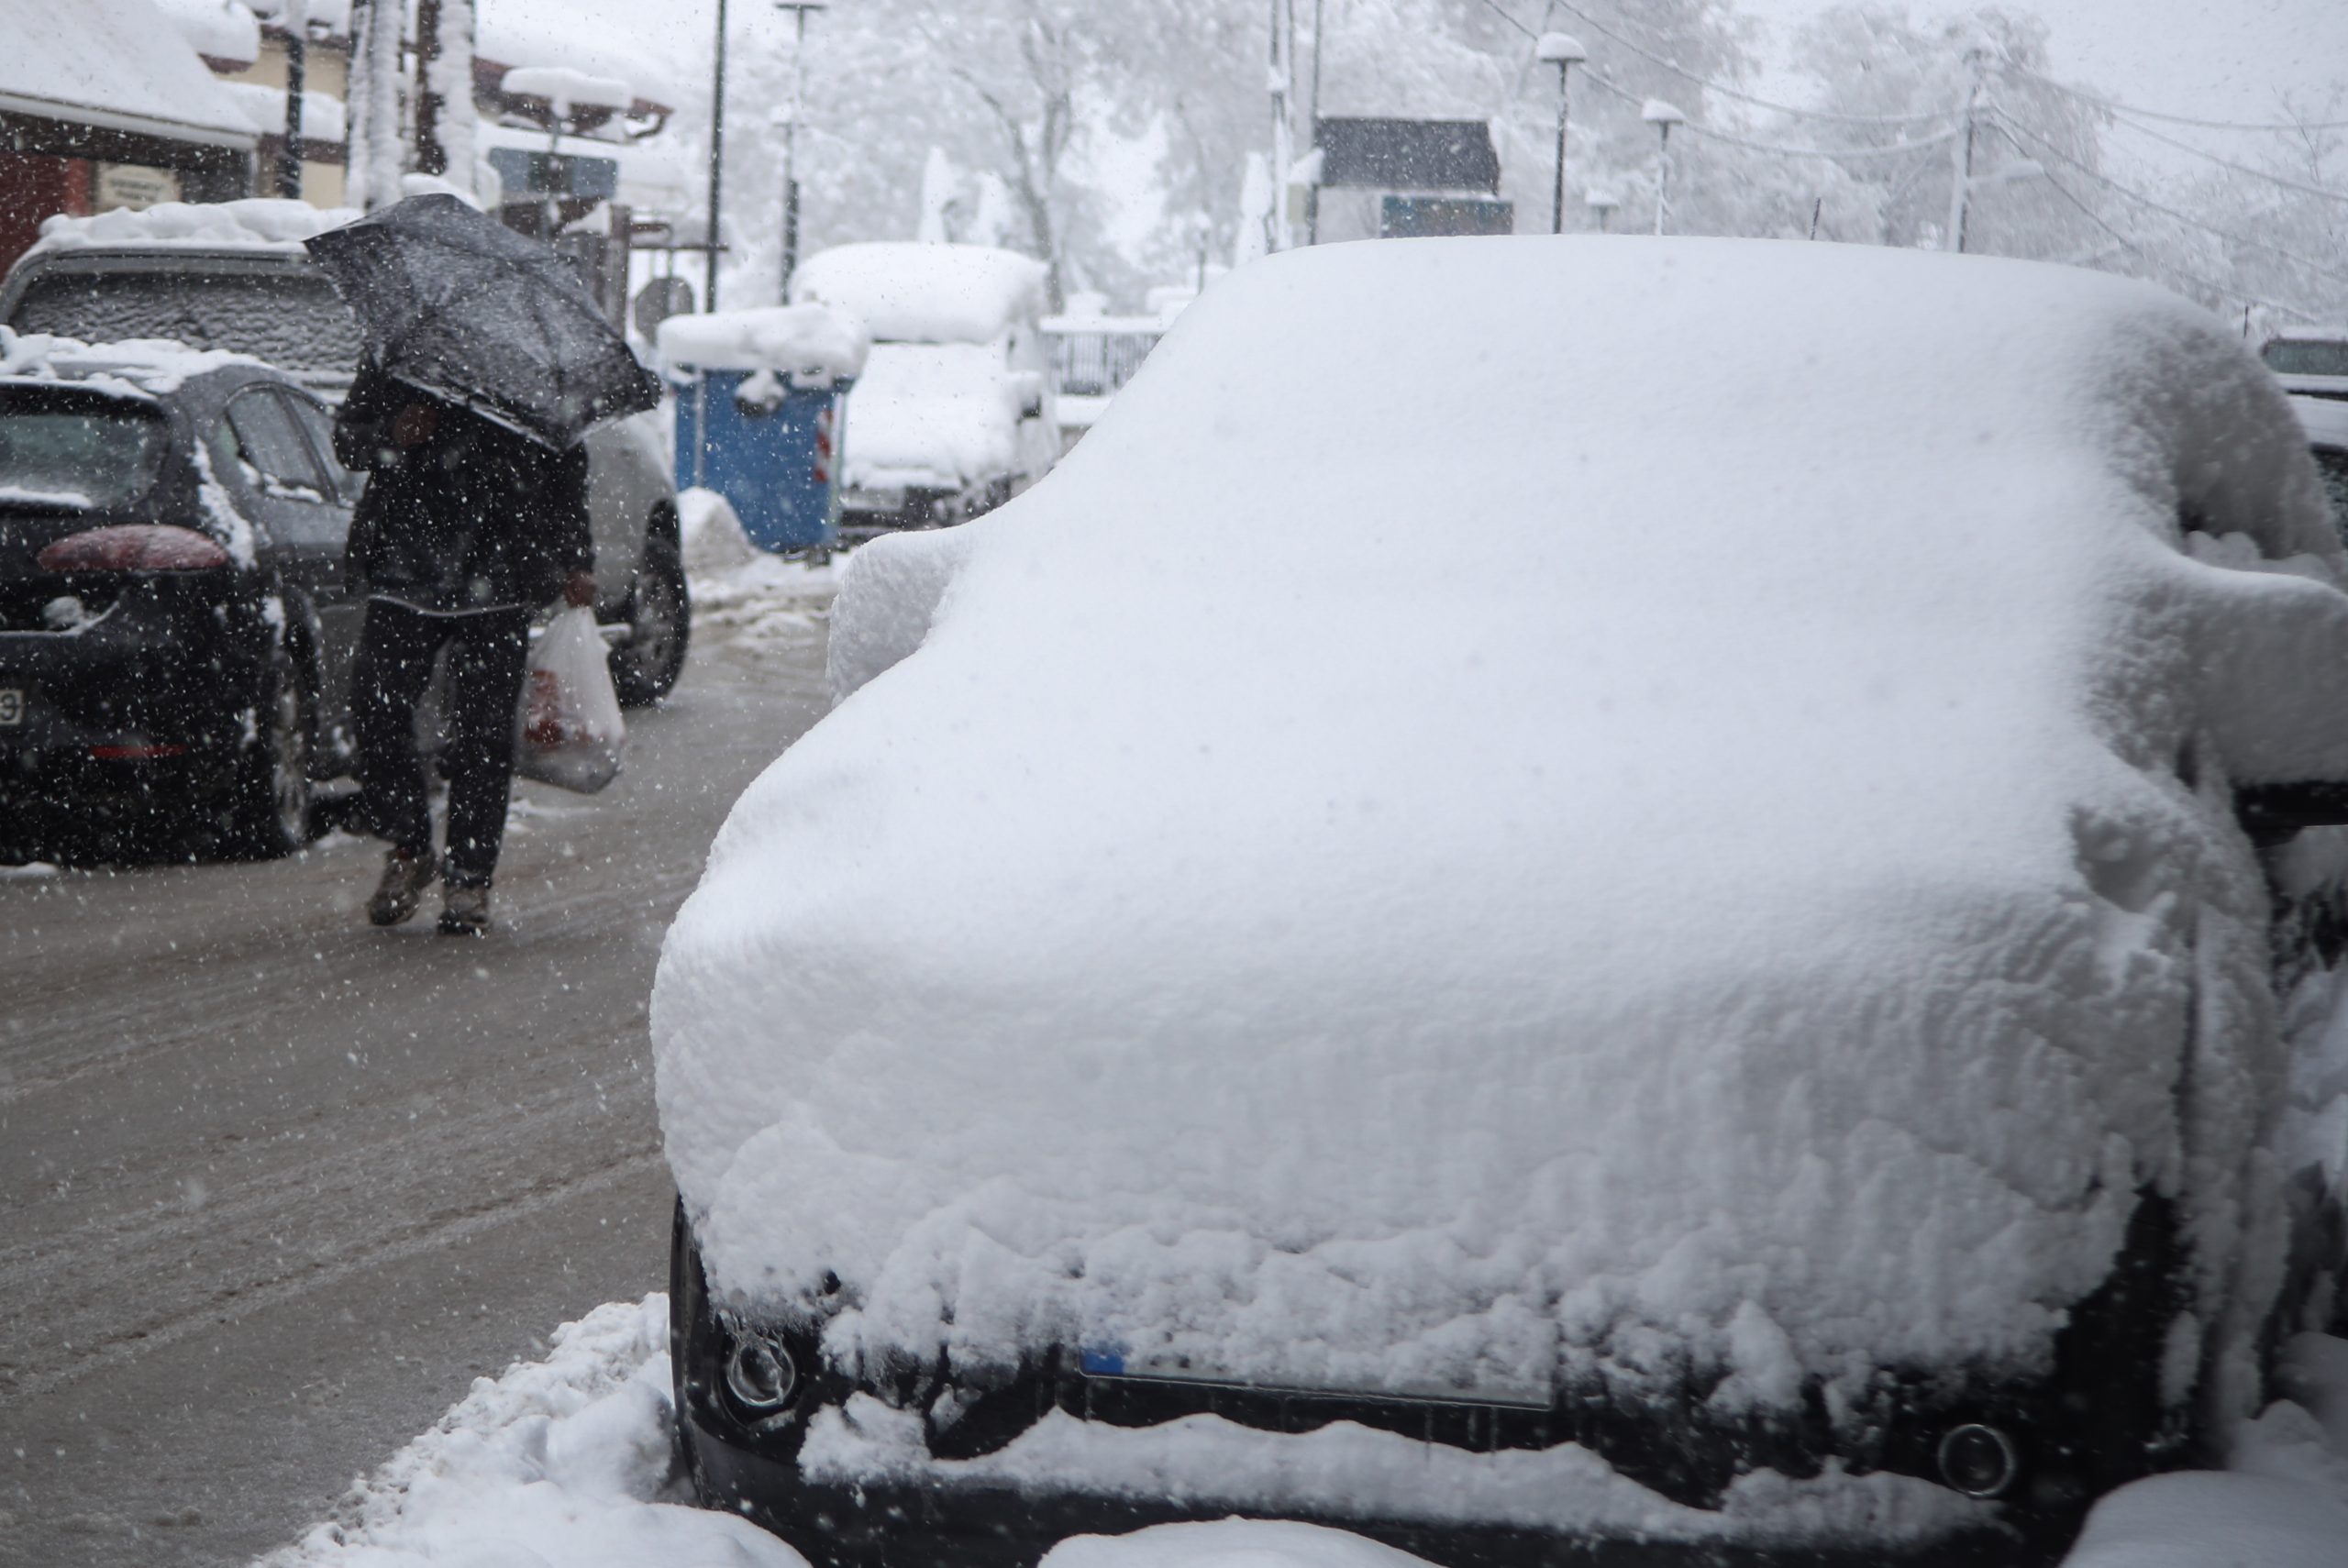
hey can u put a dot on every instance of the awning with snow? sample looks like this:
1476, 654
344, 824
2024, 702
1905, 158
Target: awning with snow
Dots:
114, 65
1407, 155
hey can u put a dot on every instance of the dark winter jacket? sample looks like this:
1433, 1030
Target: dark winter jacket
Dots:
476, 516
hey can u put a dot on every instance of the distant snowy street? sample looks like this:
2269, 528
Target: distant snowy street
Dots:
566, 1463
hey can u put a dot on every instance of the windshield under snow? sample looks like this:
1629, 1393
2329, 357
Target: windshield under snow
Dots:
291, 318
76, 449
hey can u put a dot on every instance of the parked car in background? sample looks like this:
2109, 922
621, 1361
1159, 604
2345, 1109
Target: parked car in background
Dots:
1768, 1001
175, 639
953, 413
233, 275
2309, 361
2326, 426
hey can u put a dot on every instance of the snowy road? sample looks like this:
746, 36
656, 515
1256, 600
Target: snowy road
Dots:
277, 1187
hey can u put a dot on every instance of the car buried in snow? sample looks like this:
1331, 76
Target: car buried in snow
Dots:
175, 638
1771, 1002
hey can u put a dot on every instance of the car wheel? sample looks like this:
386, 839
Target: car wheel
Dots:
270, 791
659, 619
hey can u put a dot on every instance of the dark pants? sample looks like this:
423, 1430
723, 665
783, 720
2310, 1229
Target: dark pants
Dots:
487, 650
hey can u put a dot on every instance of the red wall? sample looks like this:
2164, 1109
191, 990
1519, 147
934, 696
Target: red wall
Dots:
32, 186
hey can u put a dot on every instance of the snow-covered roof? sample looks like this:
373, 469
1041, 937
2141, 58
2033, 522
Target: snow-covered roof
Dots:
154, 366
812, 342
116, 63
218, 29
256, 222
511, 37
1454, 843
907, 292
568, 89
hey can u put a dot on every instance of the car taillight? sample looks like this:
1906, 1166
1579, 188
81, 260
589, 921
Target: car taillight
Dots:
133, 547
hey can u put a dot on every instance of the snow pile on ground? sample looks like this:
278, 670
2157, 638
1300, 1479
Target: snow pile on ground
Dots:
911, 292
564, 1462
1732, 925
759, 599
814, 345
273, 223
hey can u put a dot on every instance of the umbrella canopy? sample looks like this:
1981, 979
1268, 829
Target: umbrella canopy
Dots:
455, 303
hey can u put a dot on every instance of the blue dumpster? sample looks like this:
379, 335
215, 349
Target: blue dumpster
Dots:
758, 401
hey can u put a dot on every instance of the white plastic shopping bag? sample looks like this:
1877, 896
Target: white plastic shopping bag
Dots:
569, 732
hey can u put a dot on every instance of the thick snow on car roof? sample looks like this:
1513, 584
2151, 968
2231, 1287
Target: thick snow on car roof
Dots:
1645, 812
911, 292
254, 223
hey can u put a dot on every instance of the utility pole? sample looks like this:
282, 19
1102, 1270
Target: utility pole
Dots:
716, 162
1283, 144
798, 9
1976, 61
1562, 50
1663, 117
1313, 191
431, 157
295, 19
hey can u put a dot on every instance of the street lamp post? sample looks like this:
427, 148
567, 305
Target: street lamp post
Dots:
1601, 205
717, 163
1564, 52
798, 9
1663, 117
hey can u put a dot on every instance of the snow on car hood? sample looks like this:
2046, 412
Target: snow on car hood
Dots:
1526, 808
944, 410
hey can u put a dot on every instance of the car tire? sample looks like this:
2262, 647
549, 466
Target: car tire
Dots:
270, 795
660, 618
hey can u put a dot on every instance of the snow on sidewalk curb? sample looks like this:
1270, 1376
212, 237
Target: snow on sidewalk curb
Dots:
558, 1464
565, 1463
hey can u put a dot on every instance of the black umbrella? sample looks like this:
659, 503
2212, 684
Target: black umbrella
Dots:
455, 303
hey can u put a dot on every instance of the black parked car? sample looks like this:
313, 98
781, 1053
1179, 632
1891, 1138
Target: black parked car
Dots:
175, 639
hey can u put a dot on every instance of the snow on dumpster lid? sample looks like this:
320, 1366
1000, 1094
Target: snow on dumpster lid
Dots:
810, 342
255, 223
1453, 842
907, 292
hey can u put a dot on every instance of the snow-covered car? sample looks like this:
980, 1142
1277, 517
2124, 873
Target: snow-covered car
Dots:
175, 638
233, 275
1779, 994
952, 416
2326, 426
2309, 361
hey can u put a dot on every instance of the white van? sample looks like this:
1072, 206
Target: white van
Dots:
952, 416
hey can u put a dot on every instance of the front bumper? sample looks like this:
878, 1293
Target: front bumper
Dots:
942, 1508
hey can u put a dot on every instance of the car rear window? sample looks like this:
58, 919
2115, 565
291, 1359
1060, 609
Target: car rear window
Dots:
2288, 357
63, 447
291, 318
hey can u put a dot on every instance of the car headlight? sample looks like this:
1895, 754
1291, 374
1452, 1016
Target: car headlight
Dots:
759, 1376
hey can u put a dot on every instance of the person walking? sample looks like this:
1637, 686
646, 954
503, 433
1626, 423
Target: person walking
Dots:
466, 527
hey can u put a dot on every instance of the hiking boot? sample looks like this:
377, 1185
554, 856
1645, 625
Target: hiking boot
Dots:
405, 877
464, 909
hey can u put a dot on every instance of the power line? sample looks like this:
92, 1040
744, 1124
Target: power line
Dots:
2274, 179
2120, 108
1940, 139
1727, 92
2011, 126
2227, 290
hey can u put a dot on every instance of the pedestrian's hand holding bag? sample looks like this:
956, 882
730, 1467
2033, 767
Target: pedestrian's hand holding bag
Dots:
569, 732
